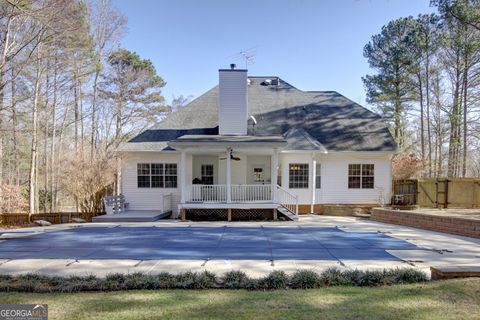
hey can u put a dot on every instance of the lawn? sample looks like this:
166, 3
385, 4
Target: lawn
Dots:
452, 299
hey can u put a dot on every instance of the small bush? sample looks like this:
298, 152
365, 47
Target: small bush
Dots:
275, 280
235, 280
305, 279
333, 277
166, 280
374, 278
193, 280
409, 275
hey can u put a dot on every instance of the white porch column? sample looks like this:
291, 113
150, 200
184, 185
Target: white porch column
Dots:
229, 176
183, 176
274, 174
314, 182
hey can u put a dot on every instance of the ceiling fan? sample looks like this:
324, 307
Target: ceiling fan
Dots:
231, 157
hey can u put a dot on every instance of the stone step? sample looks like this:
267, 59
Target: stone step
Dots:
450, 272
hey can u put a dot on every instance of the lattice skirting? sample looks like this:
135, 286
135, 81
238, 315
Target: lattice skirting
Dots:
222, 214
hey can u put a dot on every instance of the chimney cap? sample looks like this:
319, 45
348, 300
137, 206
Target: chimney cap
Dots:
233, 66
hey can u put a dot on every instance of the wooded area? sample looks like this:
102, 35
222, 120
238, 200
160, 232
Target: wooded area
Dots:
69, 95
426, 87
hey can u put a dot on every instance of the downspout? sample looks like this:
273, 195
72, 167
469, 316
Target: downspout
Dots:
314, 181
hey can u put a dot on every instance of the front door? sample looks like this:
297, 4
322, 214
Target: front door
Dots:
258, 174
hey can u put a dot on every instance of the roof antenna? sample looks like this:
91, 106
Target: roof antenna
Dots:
248, 56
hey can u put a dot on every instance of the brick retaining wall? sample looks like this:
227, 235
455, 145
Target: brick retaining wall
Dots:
455, 225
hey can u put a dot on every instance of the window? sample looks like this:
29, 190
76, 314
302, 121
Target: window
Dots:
361, 176
298, 176
258, 174
157, 175
207, 174
279, 175
143, 174
318, 176
170, 175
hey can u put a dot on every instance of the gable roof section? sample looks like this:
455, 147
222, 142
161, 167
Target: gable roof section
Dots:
309, 120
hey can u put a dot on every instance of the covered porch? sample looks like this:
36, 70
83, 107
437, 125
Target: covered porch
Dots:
231, 172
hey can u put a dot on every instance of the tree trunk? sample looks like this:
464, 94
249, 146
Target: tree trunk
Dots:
454, 123
94, 115
33, 161
429, 132
422, 117
465, 109
53, 191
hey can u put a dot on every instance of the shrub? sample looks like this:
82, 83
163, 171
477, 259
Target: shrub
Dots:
333, 277
115, 281
274, 280
204, 280
166, 280
193, 280
409, 275
305, 279
235, 280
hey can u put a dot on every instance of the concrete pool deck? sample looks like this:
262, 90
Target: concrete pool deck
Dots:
314, 243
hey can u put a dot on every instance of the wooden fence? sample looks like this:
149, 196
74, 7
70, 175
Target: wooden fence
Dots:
438, 193
53, 217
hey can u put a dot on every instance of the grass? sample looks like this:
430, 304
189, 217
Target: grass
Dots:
450, 299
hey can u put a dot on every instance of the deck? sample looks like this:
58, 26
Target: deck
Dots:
133, 216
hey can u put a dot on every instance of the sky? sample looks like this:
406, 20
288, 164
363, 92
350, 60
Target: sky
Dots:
312, 44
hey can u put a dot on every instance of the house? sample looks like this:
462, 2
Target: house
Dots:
254, 144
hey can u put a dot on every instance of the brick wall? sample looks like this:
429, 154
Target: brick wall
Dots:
454, 225
335, 209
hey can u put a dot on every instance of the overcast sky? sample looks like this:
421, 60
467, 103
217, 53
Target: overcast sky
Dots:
312, 44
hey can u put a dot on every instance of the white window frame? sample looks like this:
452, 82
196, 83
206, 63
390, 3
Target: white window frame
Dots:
167, 179
300, 179
361, 174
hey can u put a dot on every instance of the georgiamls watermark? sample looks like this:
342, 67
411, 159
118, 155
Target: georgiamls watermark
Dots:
23, 312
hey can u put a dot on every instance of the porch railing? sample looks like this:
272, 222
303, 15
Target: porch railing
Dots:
208, 193
239, 193
251, 192
287, 200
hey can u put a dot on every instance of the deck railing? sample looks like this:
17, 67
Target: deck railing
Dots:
252, 193
208, 193
287, 200
239, 193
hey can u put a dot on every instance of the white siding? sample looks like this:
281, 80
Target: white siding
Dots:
263, 162
285, 159
148, 198
198, 161
239, 170
232, 111
335, 179
334, 172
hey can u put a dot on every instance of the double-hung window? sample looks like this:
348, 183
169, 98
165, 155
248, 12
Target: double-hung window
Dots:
318, 176
361, 176
298, 176
156, 175
207, 174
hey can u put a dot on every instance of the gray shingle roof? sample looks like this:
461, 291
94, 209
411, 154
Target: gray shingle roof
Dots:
309, 120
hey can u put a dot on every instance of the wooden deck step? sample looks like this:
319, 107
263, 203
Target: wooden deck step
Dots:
450, 272
287, 214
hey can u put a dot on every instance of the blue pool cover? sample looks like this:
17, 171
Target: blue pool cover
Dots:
191, 242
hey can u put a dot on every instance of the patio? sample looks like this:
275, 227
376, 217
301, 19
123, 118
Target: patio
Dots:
315, 242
